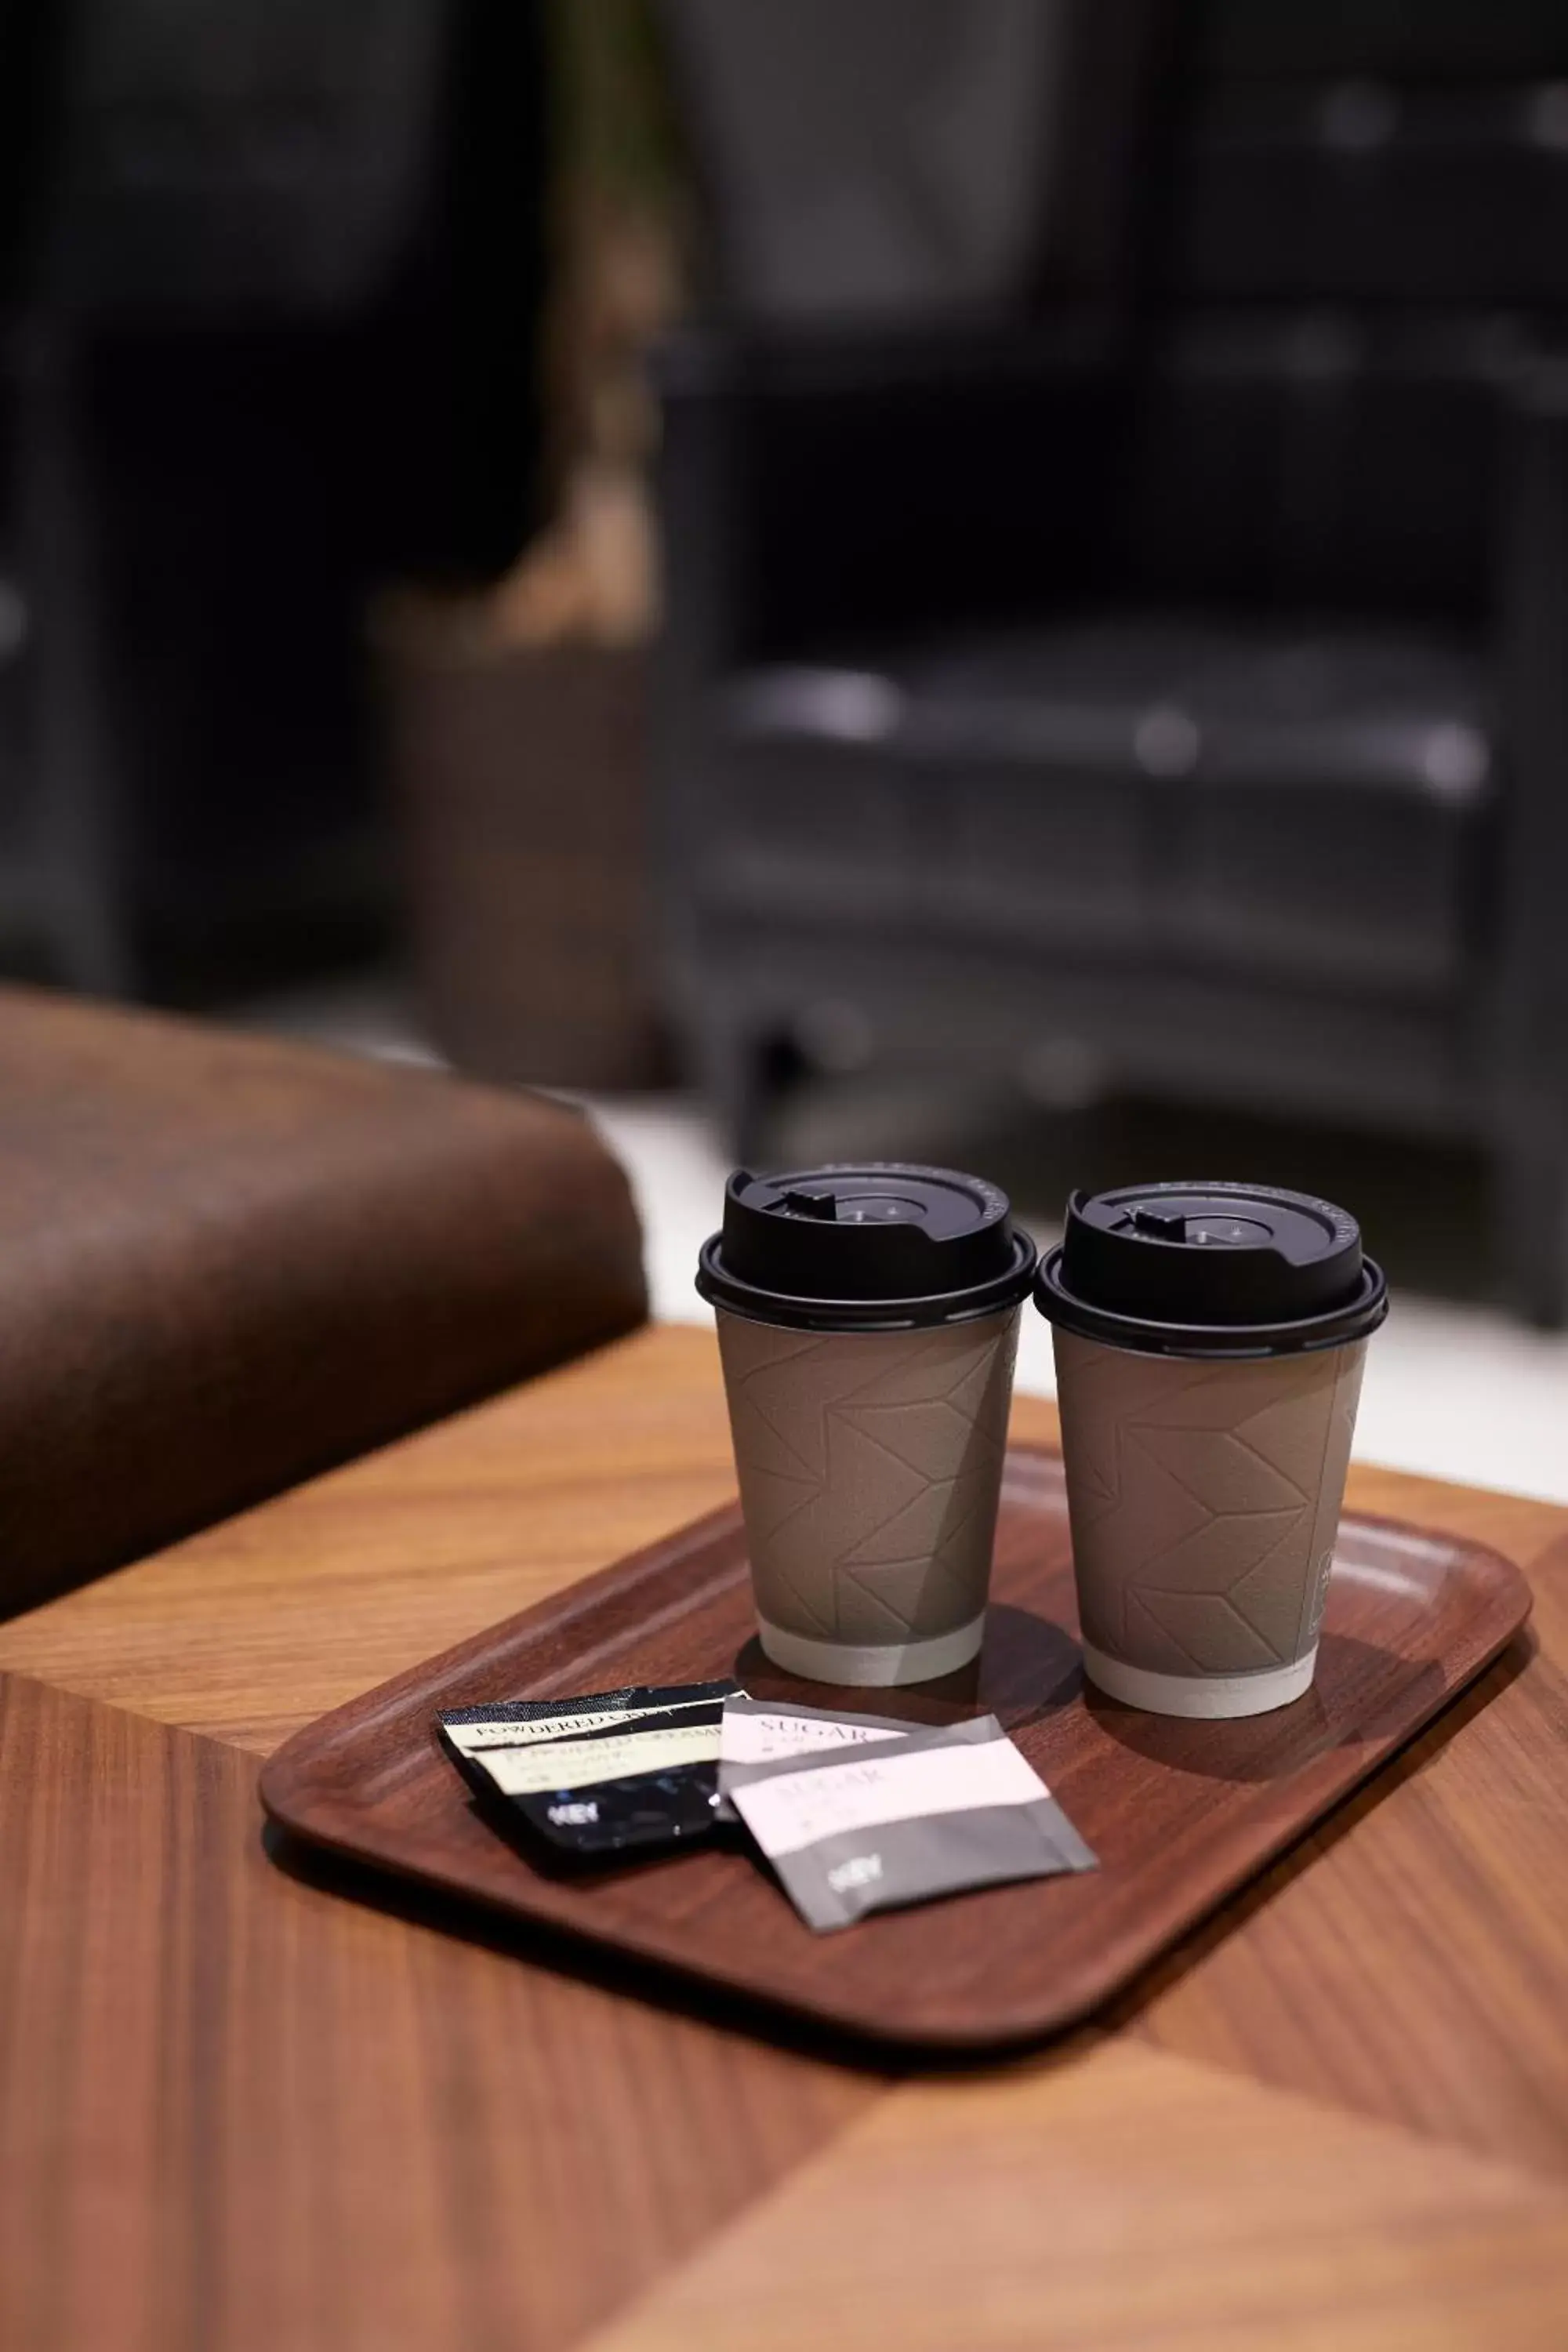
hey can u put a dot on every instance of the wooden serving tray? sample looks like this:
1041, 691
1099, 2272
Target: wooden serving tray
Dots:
1179, 1813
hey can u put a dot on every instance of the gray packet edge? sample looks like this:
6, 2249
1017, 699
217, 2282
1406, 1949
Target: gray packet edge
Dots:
920, 1860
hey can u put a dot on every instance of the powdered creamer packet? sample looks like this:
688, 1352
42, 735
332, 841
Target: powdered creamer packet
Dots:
619, 1771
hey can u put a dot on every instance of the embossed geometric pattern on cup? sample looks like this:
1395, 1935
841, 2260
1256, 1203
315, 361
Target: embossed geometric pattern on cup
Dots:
1205, 1500
869, 1466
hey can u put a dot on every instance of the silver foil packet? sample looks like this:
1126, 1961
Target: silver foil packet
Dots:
900, 1821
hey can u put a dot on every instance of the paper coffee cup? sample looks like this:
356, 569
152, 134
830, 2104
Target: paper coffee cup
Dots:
1209, 1342
867, 1324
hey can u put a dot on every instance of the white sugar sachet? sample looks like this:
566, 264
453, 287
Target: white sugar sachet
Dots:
760, 1731
900, 1821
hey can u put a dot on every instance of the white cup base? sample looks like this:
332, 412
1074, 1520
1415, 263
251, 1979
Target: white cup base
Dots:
1213, 1696
876, 1664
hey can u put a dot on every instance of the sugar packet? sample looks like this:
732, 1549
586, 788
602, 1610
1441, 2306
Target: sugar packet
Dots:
628, 1771
759, 1731
929, 1813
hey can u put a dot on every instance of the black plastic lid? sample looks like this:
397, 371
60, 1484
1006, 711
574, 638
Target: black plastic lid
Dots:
1211, 1270
876, 1246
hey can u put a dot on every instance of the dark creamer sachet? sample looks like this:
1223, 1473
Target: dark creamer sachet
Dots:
896, 1820
617, 1771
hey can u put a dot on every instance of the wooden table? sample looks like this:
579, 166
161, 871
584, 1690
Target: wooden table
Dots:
237, 2111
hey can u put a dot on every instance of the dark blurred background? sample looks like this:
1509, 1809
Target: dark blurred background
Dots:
982, 578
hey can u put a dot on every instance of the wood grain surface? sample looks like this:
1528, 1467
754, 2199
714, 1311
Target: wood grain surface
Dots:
264, 1622
1131, 2202
1178, 1813
1411, 1961
304, 2099
240, 2112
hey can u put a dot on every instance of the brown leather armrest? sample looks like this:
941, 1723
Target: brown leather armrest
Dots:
226, 1263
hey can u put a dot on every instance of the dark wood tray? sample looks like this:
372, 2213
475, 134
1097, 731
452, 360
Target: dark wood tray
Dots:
1179, 1813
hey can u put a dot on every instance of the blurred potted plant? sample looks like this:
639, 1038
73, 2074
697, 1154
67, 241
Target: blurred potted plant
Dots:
518, 717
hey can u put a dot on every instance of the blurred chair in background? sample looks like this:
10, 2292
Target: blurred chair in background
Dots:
269, 319
1137, 661
881, 162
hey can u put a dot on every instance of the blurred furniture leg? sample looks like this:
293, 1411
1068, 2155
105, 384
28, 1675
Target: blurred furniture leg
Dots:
74, 808
1530, 1021
734, 1071
1530, 1222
